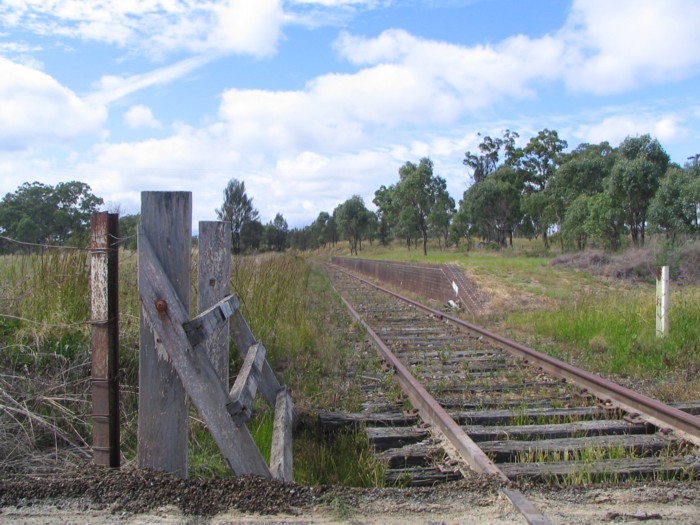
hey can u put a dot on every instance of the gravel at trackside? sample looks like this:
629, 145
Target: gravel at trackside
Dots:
140, 491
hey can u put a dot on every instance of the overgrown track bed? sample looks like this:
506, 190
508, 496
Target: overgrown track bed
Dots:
531, 424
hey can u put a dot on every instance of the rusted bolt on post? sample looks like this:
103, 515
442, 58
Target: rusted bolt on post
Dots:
161, 306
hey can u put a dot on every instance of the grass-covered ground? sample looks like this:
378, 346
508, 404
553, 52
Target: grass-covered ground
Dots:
591, 310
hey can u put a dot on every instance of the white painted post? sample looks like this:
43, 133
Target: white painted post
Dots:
662, 304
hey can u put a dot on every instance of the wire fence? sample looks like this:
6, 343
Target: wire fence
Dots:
45, 354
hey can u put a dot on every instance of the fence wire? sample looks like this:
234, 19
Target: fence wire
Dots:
45, 354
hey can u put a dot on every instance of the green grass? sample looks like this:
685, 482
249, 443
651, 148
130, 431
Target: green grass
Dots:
344, 458
45, 330
604, 325
616, 332
309, 342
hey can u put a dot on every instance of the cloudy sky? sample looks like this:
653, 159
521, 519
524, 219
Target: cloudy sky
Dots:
311, 101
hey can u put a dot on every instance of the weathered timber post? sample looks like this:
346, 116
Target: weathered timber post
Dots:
213, 284
104, 291
166, 220
662, 301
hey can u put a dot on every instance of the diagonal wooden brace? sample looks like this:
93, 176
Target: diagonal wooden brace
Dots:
243, 338
166, 315
246, 386
200, 328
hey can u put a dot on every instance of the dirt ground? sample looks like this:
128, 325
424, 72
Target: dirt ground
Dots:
129, 496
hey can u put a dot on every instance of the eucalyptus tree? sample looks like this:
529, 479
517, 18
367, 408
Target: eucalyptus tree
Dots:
276, 233
674, 208
237, 209
441, 214
43, 214
492, 206
605, 223
413, 198
320, 228
573, 226
252, 235
387, 213
581, 172
486, 161
538, 162
639, 166
352, 218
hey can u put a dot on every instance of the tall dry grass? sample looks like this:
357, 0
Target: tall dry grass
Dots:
44, 357
45, 402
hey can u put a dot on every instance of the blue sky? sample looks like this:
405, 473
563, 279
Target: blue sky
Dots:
311, 101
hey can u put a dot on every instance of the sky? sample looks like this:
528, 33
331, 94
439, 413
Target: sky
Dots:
309, 102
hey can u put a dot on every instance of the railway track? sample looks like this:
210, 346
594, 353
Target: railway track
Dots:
473, 401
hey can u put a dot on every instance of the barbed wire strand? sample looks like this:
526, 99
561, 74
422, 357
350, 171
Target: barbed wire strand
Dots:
120, 240
50, 325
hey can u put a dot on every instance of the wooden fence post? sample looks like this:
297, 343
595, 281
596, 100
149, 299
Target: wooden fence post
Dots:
662, 303
166, 219
104, 290
213, 284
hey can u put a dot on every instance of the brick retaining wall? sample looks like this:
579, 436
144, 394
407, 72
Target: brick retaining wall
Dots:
434, 281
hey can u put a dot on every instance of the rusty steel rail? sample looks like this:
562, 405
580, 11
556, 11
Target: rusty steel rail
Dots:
683, 424
431, 411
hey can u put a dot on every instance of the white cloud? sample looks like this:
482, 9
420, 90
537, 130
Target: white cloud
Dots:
615, 128
307, 150
35, 108
604, 48
20, 166
286, 122
155, 27
339, 3
111, 88
453, 78
614, 46
141, 116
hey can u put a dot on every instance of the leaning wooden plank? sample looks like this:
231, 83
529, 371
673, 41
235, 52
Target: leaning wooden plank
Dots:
206, 324
246, 385
166, 316
281, 452
243, 338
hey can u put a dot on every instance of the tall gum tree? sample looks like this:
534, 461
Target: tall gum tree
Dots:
352, 218
639, 167
238, 209
538, 162
418, 192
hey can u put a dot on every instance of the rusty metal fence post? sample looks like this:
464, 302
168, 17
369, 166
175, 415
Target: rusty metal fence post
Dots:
104, 286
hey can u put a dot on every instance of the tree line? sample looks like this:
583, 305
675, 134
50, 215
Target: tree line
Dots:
41, 214
596, 195
593, 196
